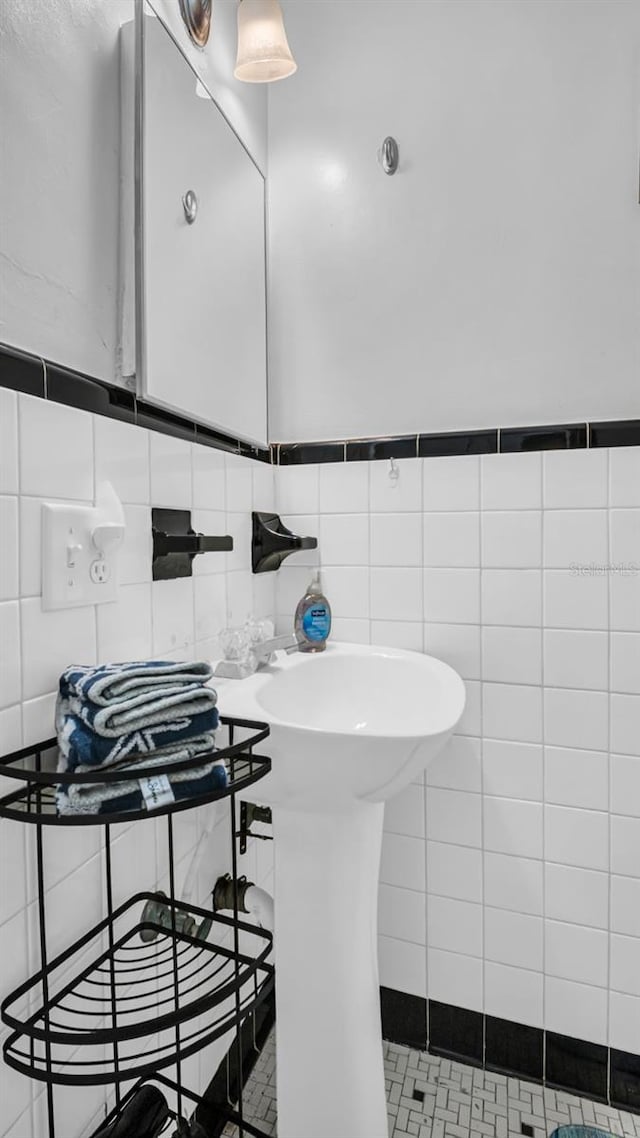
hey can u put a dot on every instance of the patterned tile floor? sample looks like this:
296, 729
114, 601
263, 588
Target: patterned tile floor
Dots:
428, 1097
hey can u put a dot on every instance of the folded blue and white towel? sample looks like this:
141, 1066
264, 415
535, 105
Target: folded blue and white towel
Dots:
130, 716
136, 794
117, 698
109, 713
108, 684
80, 746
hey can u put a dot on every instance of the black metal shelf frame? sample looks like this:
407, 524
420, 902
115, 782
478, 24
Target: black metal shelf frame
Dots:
116, 1005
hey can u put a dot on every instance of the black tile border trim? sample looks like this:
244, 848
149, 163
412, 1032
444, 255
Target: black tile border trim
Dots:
458, 442
295, 454
623, 433
22, 372
368, 450
32, 375
513, 1049
572, 436
498, 440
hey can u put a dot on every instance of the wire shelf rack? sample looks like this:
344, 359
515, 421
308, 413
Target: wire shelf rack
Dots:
33, 772
115, 997
157, 979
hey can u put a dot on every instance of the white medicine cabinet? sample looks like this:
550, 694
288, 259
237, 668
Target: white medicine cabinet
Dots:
194, 288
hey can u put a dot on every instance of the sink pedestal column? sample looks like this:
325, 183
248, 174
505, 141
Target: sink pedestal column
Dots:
330, 1075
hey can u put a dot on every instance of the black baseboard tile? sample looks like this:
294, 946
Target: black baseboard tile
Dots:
625, 433
404, 1018
624, 1080
514, 1049
20, 371
456, 1033
75, 390
576, 1066
572, 436
295, 454
457, 442
369, 450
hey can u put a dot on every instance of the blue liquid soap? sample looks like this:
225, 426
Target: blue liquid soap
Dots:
313, 619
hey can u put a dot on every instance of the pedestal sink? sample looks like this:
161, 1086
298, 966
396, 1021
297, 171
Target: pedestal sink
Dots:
350, 727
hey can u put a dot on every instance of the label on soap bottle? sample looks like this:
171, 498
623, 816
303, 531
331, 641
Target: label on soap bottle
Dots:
316, 623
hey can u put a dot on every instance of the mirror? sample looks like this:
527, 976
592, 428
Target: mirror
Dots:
200, 257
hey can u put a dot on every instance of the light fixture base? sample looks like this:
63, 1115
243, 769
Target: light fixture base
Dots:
196, 15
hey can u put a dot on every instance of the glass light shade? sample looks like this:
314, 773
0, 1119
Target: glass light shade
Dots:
264, 54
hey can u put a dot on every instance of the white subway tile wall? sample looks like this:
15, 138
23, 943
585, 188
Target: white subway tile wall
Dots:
530, 849
510, 877
54, 452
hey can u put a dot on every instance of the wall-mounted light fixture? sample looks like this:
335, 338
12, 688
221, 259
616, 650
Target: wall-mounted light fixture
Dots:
264, 54
197, 17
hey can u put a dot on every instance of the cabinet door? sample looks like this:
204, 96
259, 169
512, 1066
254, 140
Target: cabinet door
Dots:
201, 284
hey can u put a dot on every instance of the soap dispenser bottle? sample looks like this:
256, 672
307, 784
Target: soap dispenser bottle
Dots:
313, 619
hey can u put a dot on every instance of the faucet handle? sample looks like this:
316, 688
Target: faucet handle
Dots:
235, 643
258, 630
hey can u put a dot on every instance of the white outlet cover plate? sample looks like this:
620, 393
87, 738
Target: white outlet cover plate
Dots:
68, 553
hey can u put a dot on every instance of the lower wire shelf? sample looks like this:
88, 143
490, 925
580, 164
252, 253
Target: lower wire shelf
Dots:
109, 1007
191, 1105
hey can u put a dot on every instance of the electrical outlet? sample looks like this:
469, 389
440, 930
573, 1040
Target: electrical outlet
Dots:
100, 572
79, 551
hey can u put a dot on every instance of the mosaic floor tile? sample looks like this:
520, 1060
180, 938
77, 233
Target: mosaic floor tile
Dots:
428, 1097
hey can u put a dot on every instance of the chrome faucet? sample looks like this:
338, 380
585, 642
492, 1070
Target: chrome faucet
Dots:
264, 651
259, 655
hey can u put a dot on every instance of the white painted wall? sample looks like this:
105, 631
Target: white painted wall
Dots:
496, 278
60, 141
60, 160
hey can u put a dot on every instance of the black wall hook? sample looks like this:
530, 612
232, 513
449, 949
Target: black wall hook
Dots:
175, 544
272, 542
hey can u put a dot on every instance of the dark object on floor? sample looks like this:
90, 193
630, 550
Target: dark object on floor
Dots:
213, 1110
418, 1096
145, 1115
191, 1129
580, 1132
526, 1129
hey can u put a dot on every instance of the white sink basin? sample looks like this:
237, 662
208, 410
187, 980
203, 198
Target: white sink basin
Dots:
351, 722
349, 727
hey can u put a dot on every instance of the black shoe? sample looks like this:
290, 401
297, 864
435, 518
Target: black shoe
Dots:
191, 1129
144, 1116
